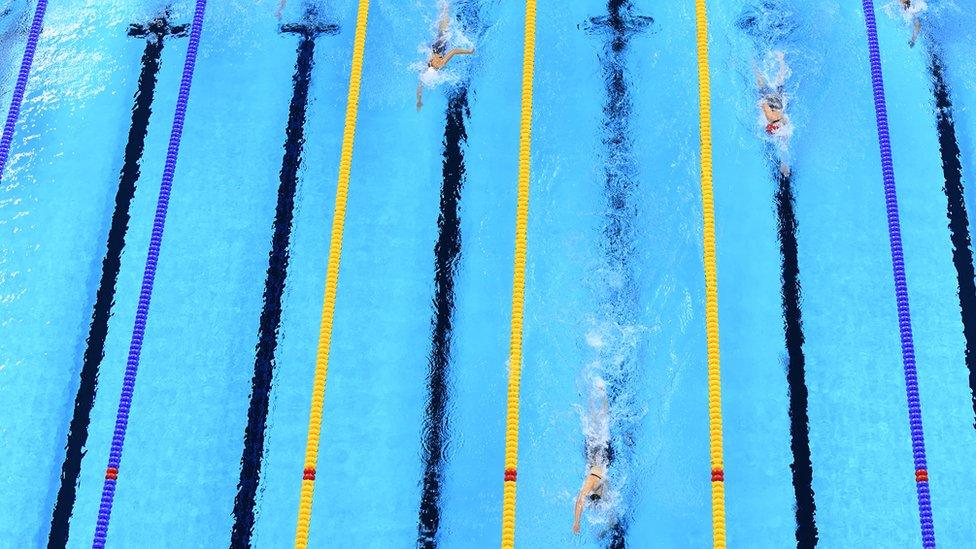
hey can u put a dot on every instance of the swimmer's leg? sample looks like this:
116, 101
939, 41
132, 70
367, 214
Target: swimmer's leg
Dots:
445, 19
784, 71
917, 29
784, 159
760, 78
609, 453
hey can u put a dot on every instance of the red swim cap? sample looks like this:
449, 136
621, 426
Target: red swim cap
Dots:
771, 128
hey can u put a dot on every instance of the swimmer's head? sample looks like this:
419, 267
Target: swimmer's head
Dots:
597, 493
429, 76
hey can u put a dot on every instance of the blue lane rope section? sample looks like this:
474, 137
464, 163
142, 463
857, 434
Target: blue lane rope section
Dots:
18, 99
901, 286
142, 311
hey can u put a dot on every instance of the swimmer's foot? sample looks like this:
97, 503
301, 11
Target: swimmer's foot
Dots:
784, 169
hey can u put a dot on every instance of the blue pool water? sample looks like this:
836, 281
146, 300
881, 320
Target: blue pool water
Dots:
615, 288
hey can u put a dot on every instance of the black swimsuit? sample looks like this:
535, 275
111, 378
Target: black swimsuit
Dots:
440, 45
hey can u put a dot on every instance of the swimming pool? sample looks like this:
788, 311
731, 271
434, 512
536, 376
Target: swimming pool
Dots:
413, 435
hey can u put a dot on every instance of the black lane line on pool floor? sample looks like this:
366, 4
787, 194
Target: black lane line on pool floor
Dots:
447, 252
274, 283
962, 252
767, 23
619, 25
802, 467
154, 33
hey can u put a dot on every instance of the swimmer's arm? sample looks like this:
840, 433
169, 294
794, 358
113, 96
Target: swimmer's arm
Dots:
578, 513
580, 501
281, 8
456, 51
420, 95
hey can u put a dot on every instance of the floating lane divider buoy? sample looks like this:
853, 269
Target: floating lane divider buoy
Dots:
149, 276
711, 281
901, 284
153, 33
21, 86
331, 282
518, 282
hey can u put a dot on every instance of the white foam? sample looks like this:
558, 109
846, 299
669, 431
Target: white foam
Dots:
454, 37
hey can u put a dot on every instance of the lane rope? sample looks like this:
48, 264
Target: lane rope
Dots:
148, 278
331, 283
901, 284
518, 282
21, 86
711, 282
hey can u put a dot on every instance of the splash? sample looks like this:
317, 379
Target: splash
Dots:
769, 67
453, 36
895, 10
769, 22
612, 409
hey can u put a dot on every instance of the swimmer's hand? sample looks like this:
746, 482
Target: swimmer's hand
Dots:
420, 104
576, 527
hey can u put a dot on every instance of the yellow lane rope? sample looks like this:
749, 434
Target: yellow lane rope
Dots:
711, 282
331, 282
518, 282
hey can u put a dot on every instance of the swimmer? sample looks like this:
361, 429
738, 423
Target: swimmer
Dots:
439, 56
598, 453
281, 8
773, 104
912, 9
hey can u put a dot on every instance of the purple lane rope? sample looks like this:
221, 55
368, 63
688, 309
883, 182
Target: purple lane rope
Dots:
901, 285
142, 311
18, 99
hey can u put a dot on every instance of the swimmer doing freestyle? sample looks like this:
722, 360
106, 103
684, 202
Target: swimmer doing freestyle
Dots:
439, 55
772, 102
598, 453
912, 9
